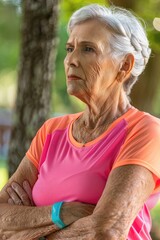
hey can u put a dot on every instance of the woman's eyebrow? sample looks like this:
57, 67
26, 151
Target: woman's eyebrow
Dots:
69, 44
88, 42
82, 43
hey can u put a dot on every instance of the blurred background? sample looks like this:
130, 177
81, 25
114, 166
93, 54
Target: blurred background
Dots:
145, 95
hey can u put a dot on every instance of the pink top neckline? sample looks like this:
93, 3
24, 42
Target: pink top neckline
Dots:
88, 144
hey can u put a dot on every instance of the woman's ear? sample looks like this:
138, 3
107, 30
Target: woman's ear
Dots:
125, 68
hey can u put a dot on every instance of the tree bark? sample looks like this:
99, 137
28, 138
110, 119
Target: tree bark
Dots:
37, 60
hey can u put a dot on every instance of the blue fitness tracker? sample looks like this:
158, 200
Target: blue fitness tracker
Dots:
55, 215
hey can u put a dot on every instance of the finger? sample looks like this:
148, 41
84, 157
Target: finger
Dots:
13, 195
21, 193
10, 201
28, 190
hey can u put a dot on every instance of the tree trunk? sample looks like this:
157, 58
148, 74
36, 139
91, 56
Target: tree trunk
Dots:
37, 59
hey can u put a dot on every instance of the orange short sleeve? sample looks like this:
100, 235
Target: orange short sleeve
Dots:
142, 146
36, 147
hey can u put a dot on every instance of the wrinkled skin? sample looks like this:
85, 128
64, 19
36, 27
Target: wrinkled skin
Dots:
88, 58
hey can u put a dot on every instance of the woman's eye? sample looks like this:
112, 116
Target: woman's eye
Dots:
69, 49
89, 49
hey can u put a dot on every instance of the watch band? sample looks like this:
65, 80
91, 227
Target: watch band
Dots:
55, 215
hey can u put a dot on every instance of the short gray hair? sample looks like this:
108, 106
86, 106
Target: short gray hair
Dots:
127, 35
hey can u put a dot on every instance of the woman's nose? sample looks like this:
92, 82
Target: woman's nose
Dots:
72, 59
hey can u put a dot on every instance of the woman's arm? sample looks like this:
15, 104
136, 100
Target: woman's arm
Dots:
28, 222
127, 189
78, 210
21, 222
25, 172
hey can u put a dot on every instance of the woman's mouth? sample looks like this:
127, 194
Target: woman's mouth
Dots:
73, 77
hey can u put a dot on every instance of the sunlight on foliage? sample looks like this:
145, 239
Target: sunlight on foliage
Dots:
8, 88
68, 7
3, 177
156, 212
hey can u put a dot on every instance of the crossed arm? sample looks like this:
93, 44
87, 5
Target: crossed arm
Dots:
125, 193
27, 221
126, 190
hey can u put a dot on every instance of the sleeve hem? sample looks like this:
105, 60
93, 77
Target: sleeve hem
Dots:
32, 159
135, 162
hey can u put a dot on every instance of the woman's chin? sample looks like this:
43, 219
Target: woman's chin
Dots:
72, 91
76, 94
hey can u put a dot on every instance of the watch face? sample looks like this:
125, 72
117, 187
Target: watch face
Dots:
156, 23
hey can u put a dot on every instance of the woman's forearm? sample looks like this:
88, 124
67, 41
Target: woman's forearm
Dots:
23, 222
83, 228
13, 217
30, 222
28, 234
82, 211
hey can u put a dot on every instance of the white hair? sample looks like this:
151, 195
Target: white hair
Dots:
127, 35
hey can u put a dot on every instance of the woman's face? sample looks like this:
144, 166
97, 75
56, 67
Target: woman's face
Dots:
90, 71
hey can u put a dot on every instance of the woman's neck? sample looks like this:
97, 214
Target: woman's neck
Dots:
100, 113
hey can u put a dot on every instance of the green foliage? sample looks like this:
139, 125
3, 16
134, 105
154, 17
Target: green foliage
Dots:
148, 11
69, 6
154, 38
10, 19
8, 88
3, 172
155, 213
9, 37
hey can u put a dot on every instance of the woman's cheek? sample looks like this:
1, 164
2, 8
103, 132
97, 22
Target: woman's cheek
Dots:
94, 71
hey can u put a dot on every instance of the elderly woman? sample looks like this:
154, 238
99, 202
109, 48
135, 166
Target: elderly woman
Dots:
95, 174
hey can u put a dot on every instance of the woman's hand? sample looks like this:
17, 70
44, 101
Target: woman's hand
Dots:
83, 229
23, 222
19, 195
